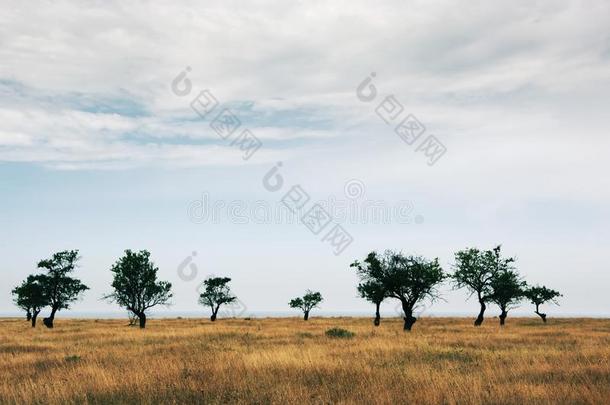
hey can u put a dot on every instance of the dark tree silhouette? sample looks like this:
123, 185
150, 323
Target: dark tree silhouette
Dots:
31, 297
539, 295
475, 269
60, 289
307, 302
371, 288
135, 285
373, 292
507, 291
217, 292
410, 279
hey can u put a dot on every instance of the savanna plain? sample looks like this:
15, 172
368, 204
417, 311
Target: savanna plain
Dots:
288, 360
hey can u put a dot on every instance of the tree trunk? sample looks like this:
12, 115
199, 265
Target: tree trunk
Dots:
214, 313
503, 316
409, 321
142, 319
541, 315
48, 322
28, 316
408, 318
480, 318
377, 315
306, 315
34, 316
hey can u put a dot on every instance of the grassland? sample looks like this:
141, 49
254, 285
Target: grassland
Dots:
292, 361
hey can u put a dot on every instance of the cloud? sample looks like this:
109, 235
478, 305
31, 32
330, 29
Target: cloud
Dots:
90, 84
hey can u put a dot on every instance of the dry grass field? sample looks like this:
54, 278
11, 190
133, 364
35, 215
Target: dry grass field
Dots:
443, 361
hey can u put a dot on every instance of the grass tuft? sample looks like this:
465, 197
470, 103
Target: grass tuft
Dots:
339, 333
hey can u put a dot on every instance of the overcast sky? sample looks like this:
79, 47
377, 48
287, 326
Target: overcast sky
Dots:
100, 152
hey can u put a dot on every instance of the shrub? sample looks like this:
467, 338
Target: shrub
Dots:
340, 333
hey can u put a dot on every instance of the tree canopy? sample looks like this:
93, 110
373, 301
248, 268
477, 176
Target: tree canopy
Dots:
217, 292
410, 279
539, 295
507, 290
475, 270
307, 302
31, 296
371, 287
61, 290
135, 284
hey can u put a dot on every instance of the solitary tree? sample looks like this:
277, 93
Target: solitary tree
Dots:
59, 288
539, 295
410, 279
135, 285
217, 292
371, 287
31, 297
507, 290
307, 302
475, 270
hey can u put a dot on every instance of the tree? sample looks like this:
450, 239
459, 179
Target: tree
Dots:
217, 292
371, 288
59, 288
410, 279
307, 302
374, 292
507, 291
475, 270
539, 295
135, 285
31, 297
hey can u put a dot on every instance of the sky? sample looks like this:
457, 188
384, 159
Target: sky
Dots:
122, 127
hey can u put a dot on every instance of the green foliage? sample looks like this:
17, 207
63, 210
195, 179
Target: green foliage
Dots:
306, 303
370, 272
31, 295
73, 358
507, 289
135, 283
217, 292
372, 291
61, 289
407, 278
539, 295
371, 268
411, 279
476, 269
339, 333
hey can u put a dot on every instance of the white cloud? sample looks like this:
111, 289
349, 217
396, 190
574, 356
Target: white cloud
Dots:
468, 70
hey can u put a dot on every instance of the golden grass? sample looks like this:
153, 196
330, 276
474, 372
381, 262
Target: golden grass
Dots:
291, 361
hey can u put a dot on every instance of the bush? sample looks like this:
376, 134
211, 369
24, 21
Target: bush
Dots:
340, 333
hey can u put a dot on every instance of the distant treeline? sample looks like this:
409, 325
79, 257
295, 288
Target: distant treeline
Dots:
412, 280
